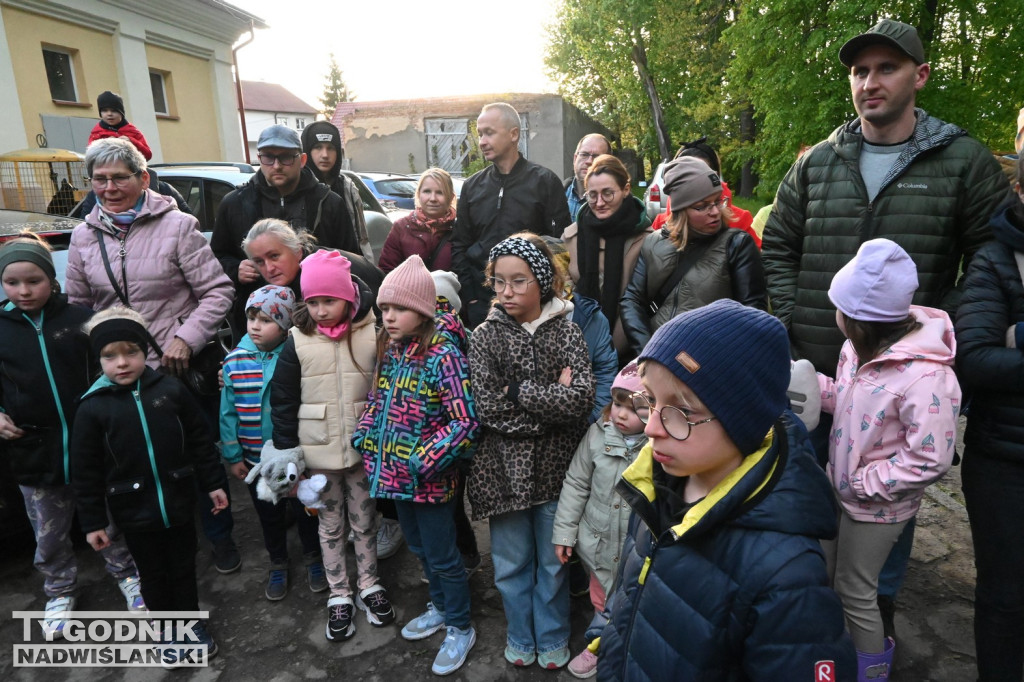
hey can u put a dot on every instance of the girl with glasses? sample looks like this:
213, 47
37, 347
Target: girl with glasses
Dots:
604, 242
534, 388
692, 261
721, 573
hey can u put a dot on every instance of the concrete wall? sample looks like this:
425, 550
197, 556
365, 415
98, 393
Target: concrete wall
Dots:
380, 136
576, 125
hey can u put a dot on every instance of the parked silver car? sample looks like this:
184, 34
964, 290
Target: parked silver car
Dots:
204, 185
654, 199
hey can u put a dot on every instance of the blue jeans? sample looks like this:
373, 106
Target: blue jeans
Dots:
994, 492
534, 586
429, 531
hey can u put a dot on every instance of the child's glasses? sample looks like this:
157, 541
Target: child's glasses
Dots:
519, 286
673, 419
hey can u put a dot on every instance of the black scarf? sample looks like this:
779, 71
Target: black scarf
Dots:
615, 230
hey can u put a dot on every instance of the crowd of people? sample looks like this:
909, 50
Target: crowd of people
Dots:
728, 440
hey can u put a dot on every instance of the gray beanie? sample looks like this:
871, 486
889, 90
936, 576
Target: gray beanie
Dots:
688, 180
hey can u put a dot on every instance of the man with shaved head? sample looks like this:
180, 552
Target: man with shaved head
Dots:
509, 196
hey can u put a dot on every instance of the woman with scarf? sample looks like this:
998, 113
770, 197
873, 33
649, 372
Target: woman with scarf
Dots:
604, 242
426, 231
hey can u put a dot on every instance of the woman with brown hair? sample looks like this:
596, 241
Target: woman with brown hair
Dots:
694, 260
604, 242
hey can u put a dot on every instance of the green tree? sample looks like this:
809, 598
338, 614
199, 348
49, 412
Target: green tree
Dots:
335, 90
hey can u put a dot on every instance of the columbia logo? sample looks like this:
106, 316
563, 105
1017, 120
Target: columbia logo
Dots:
911, 185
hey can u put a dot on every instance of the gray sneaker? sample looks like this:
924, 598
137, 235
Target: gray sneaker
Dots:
425, 624
454, 650
389, 538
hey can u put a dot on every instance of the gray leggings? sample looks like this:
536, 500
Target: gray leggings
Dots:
50, 511
854, 559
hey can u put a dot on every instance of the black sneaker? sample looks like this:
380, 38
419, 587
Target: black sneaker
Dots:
339, 619
316, 576
374, 600
226, 558
277, 582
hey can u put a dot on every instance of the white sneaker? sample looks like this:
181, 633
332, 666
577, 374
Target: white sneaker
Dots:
389, 538
131, 588
58, 612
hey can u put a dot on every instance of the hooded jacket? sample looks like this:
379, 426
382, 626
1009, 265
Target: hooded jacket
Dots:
990, 340
735, 590
320, 387
604, 361
493, 206
935, 203
138, 450
322, 131
167, 271
419, 421
312, 208
103, 130
894, 421
245, 401
530, 430
44, 368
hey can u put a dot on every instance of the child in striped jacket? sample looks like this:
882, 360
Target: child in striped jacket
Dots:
245, 425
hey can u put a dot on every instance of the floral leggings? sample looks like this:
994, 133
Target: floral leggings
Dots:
348, 504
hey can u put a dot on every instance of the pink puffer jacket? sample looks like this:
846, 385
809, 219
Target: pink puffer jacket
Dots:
174, 280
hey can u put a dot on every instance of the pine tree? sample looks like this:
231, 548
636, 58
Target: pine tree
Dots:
335, 90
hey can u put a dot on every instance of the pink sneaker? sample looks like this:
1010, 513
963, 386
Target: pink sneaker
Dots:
584, 665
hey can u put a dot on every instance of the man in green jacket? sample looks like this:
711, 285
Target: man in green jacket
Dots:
894, 172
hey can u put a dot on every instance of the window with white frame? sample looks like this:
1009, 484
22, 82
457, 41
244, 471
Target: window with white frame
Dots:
60, 72
300, 123
158, 84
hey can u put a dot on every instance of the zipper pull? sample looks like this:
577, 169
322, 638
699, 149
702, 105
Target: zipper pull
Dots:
501, 193
122, 252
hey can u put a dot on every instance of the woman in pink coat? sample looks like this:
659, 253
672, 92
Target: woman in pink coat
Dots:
895, 402
159, 262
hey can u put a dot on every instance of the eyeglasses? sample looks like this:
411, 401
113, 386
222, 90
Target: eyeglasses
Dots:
519, 286
120, 181
284, 159
586, 156
673, 419
607, 194
706, 208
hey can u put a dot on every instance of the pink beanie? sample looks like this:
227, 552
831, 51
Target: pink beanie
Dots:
328, 273
629, 379
878, 285
409, 286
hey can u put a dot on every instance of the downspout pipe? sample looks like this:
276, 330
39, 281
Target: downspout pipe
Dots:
238, 88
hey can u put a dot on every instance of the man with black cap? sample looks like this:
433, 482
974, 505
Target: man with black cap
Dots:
283, 188
321, 143
893, 172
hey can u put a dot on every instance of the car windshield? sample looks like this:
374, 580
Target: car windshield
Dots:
397, 187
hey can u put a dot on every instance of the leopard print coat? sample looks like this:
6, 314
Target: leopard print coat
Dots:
527, 440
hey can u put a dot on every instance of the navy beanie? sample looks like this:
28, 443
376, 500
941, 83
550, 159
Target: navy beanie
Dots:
736, 359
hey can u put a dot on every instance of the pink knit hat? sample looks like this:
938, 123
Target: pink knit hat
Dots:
409, 286
629, 378
877, 285
328, 273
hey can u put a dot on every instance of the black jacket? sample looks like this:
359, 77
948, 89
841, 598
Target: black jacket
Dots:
990, 318
42, 374
312, 208
139, 449
735, 589
493, 206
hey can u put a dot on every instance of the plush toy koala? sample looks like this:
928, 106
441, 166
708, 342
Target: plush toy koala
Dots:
278, 472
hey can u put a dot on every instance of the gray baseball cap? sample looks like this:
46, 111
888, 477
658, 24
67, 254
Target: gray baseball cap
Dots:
895, 34
279, 136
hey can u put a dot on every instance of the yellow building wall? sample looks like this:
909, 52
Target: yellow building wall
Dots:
93, 66
190, 132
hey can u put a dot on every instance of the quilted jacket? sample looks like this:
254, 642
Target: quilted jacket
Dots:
935, 203
736, 590
531, 430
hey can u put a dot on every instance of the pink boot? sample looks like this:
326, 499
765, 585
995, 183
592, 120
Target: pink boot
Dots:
876, 666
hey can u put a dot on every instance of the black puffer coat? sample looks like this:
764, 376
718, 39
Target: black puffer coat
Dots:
991, 317
139, 449
43, 371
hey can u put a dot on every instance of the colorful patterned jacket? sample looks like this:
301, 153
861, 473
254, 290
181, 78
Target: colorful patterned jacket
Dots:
895, 419
245, 401
420, 419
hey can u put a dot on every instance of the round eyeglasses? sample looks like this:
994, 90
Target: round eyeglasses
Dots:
519, 286
673, 419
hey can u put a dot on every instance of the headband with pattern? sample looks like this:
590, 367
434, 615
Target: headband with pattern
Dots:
539, 264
